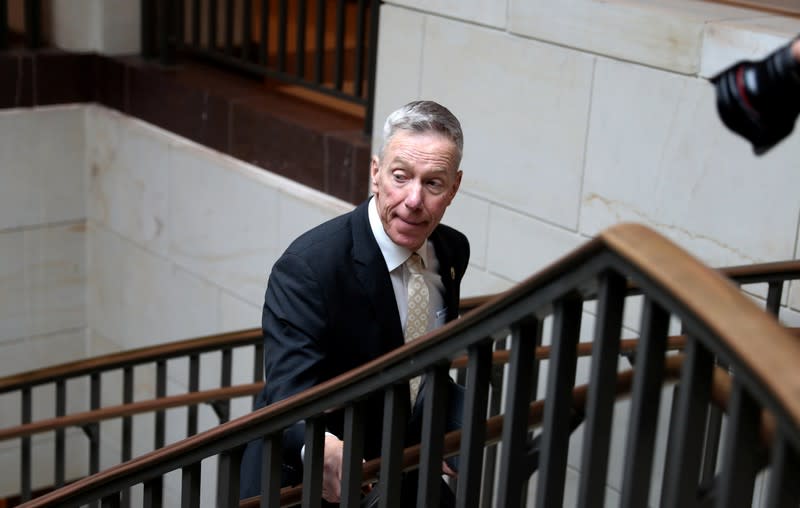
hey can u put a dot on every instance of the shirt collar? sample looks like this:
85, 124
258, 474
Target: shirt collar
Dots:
394, 255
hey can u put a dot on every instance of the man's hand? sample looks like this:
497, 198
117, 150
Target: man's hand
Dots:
332, 469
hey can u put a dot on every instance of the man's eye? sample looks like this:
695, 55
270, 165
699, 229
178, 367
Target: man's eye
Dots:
399, 177
435, 184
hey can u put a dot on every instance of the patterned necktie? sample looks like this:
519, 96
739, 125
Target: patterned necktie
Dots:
419, 298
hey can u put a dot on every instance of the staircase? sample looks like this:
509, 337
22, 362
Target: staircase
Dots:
537, 327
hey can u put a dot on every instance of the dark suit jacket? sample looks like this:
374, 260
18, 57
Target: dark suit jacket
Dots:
330, 307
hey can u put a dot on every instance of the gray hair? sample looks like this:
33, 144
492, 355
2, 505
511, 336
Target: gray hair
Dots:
424, 116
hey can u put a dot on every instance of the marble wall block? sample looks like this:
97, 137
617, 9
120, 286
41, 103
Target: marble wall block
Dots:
475, 11
300, 209
42, 281
661, 33
224, 227
141, 299
520, 246
726, 42
129, 177
664, 159
400, 44
41, 166
470, 215
524, 123
55, 273
15, 318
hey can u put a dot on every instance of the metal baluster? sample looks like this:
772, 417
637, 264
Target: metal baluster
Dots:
740, 454
194, 385
374, 20
643, 420
263, 44
153, 493
247, 31
271, 470
524, 337
433, 425
33, 24
149, 28
601, 397
197, 14
473, 436
212, 25
490, 455
774, 297
353, 455
312, 466
358, 71
282, 21
3, 24
319, 55
300, 42
229, 22
60, 447
25, 451
190, 486
783, 490
338, 67
686, 429
395, 417
560, 381
160, 416
127, 427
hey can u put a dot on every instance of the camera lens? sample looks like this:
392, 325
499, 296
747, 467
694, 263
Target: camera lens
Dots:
760, 100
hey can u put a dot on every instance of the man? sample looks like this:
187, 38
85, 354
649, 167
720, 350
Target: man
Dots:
337, 298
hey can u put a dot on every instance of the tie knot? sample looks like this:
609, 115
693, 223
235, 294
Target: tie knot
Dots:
414, 263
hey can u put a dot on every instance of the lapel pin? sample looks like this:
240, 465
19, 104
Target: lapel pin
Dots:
452, 273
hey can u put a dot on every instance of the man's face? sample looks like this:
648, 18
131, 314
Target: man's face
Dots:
413, 185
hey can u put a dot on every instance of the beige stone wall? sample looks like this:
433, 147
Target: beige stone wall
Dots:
579, 114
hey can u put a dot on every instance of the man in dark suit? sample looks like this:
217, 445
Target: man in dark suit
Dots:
336, 298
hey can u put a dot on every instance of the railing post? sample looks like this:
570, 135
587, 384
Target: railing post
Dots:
556, 421
374, 20
25, 461
168, 31
33, 23
148, 28
3, 24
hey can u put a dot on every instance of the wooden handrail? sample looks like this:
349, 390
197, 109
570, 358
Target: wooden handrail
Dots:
138, 355
134, 408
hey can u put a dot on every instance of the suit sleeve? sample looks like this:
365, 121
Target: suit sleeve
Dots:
294, 325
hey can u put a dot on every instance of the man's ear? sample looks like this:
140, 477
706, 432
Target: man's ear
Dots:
374, 167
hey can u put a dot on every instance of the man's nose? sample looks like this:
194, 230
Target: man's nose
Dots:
414, 196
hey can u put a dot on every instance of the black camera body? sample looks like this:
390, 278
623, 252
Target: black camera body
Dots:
760, 100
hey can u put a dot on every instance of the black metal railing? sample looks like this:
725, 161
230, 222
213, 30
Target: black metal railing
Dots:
32, 25
129, 365
328, 46
774, 275
760, 378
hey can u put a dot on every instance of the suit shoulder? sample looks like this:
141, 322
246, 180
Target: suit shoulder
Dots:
332, 234
453, 236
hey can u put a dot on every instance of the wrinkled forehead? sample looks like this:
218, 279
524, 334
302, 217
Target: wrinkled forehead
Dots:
430, 146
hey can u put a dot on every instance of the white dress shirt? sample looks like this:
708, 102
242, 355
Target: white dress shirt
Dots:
395, 257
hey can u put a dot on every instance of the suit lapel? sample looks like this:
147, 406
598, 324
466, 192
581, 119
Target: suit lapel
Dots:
370, 270
447, 272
